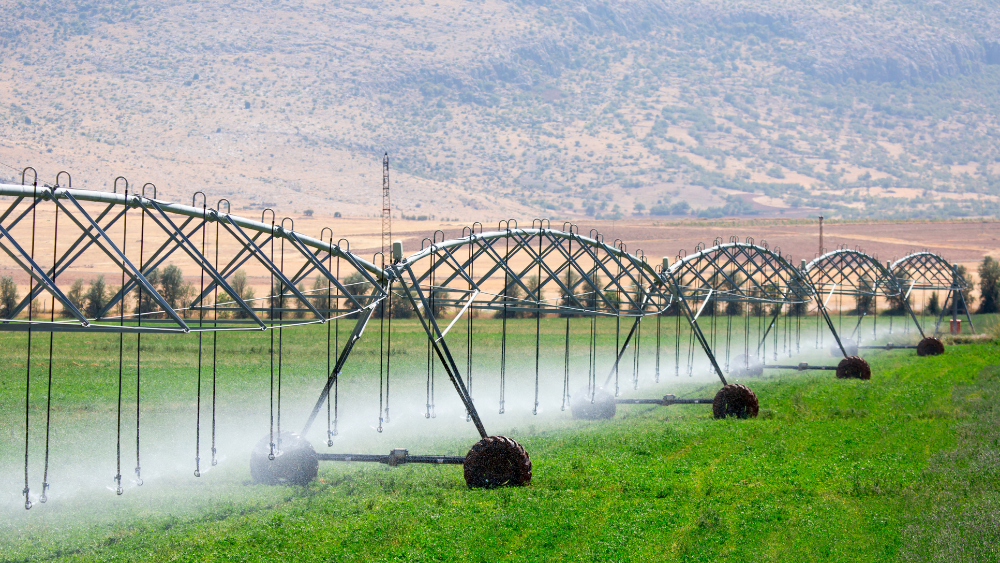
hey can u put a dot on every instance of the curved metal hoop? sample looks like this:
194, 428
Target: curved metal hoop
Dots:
69, 179
194, 199
34, 173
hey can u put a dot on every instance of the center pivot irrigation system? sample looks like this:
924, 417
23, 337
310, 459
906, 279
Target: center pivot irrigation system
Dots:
863, 279
728, 297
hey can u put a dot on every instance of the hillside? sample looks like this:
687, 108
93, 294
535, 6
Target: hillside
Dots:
492, 109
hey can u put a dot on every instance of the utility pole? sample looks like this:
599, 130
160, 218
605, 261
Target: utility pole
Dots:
386, 209
820, 236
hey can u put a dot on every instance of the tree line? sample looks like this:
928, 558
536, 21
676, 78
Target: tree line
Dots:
93, 298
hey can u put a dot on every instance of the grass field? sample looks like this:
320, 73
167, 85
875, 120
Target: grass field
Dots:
902, 467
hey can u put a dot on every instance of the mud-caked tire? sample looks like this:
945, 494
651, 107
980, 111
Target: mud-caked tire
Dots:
744, 367
854, 367
497, 461
295, 461
930, 346
735, 400
601, 407
849, 345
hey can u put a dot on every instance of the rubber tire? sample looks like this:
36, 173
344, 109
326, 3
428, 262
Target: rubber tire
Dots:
602, 407
930, 346
849, 345
295, 463
854, 367
753, 367
497, 461
736, 400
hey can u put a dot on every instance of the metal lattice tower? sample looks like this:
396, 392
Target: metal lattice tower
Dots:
386, 210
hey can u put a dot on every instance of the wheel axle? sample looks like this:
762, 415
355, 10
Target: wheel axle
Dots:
395, 458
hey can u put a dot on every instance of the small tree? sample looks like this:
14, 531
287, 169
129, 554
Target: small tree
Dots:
591, 298
121, 306
864, 301
358, 286
322, 294
989, 286
145, 303
75, 297
239, 284
8, 296
533, 289
440, 302
96, 297
401, 306
567, 300
614, 298
934, 304
172, 287
510, 296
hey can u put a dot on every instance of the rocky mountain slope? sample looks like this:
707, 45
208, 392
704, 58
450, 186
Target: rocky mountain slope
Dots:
534, 108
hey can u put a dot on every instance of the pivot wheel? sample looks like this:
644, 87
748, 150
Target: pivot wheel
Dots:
854, 367
602, 406
736, 400
747, 367
930, 346
295, 461
849, 345
497, 461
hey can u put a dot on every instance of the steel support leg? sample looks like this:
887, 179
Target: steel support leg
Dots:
359, 328
439, 344
694, 327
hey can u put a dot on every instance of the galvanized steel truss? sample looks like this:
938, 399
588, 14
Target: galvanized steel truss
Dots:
517, 271
101, 225
737, 272
854, 273
930, 272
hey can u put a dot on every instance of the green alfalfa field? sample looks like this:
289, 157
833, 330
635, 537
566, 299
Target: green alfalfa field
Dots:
905, 466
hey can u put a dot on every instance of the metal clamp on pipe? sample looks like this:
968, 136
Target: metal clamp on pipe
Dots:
397, 457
